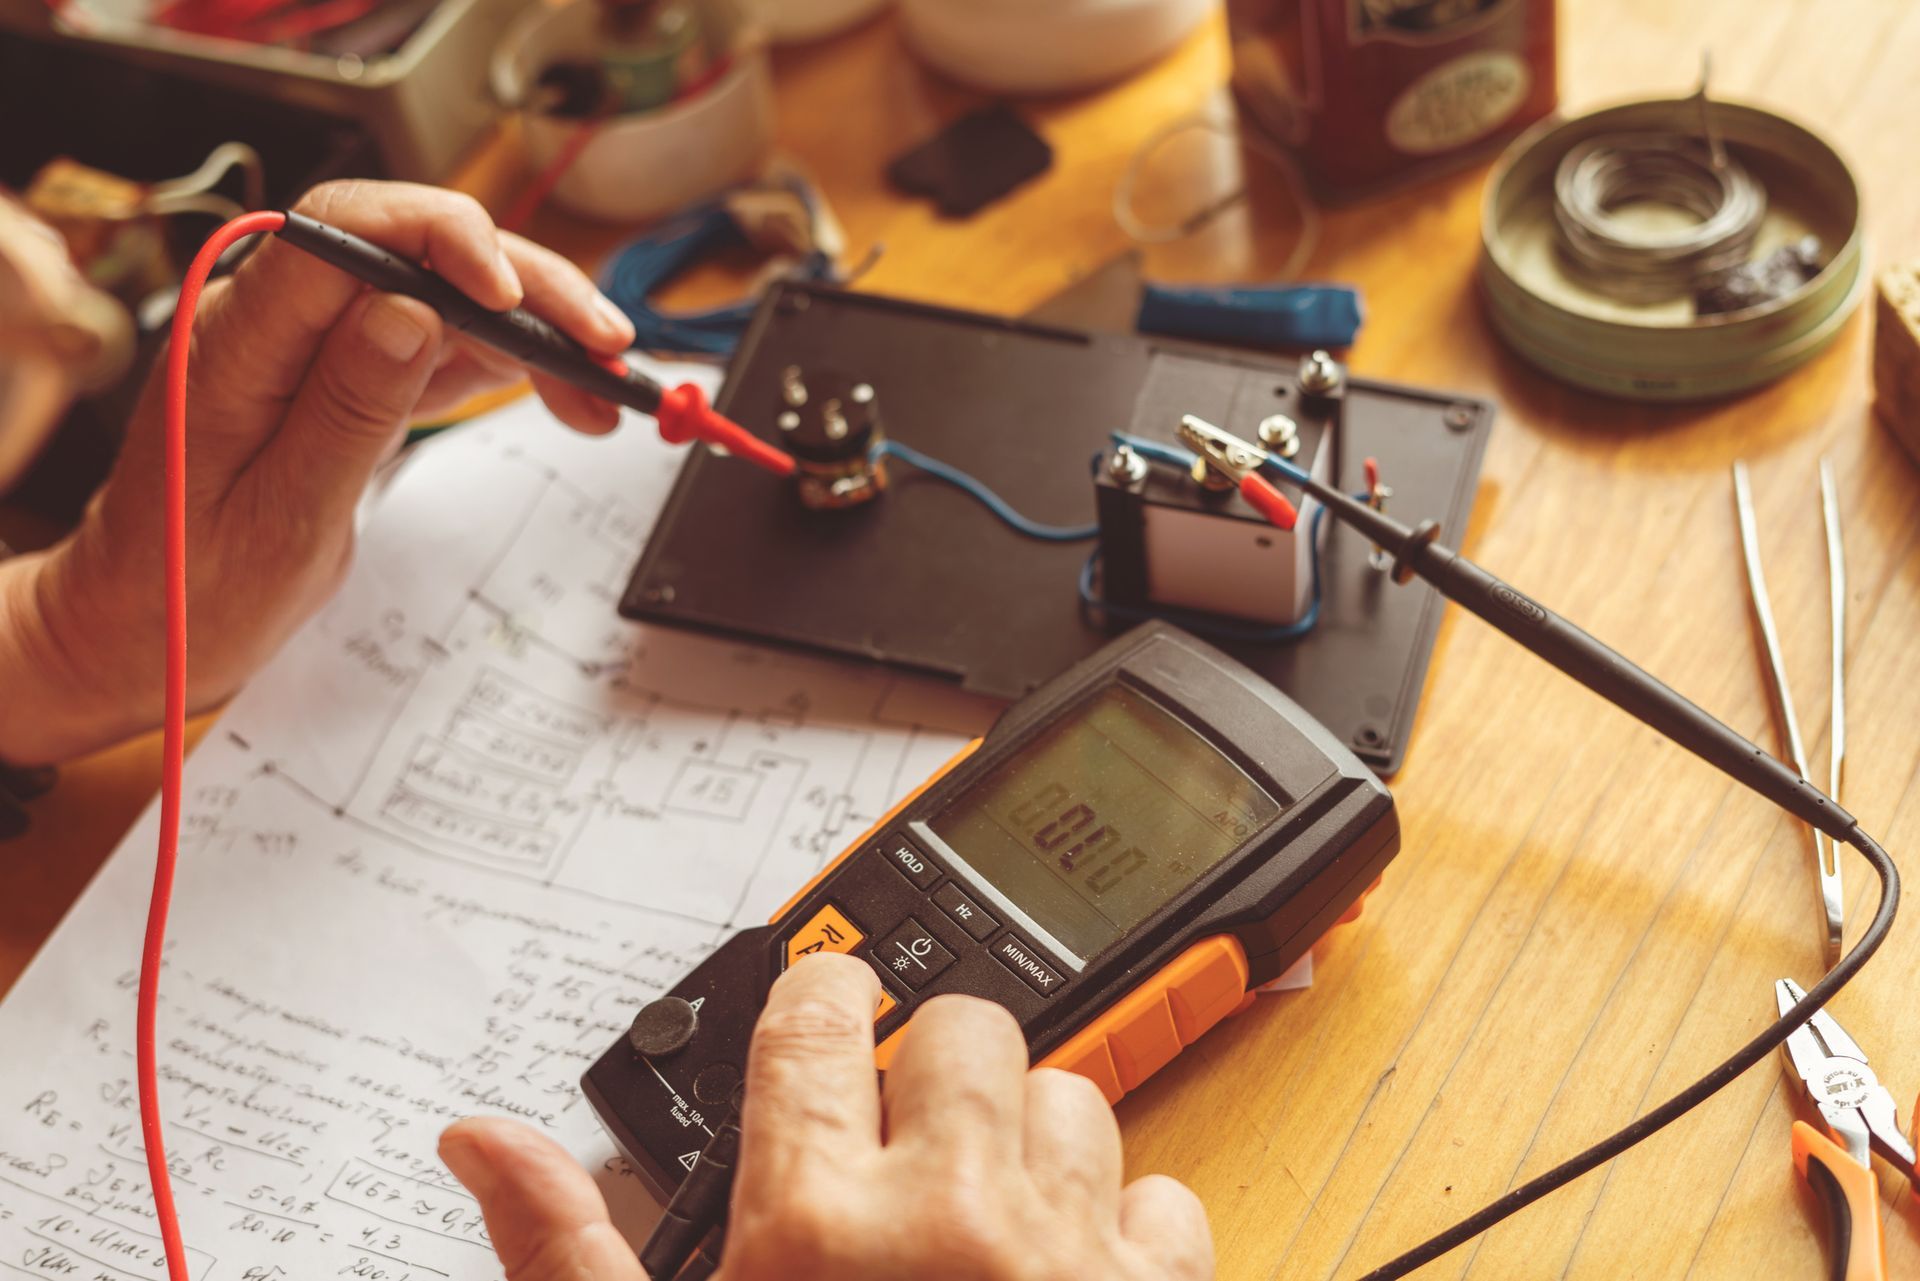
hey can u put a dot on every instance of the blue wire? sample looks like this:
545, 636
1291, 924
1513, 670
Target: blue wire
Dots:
1155, 450
986, 497
642, 265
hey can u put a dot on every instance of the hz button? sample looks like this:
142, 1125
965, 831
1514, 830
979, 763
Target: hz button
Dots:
965, 912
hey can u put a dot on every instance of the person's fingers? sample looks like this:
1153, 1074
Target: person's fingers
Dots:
812, 1092
1072, 1140
457, 380
957, 1080
578, 410
283, 300
356, 397
561, 294
1166, 1223
547, 1220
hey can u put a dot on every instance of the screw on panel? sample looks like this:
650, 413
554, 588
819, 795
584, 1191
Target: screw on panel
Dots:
793, 386
1460, 417
1280, 434
833, 417
1319, 374
1368, 736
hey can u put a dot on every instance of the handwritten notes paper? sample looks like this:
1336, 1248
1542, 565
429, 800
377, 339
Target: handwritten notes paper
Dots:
433, 860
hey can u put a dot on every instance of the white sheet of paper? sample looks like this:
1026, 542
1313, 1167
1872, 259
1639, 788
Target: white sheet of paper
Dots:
433, 859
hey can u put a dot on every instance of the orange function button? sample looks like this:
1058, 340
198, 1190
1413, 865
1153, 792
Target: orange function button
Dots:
828, 931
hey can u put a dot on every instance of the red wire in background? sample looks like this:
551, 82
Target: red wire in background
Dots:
175, 741
537, 191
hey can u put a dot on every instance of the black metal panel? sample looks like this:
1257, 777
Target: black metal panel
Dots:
926, 579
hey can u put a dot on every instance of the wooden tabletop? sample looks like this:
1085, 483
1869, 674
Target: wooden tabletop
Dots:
1582, 918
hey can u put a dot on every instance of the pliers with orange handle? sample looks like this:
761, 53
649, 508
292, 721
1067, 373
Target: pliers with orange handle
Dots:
1861, 1119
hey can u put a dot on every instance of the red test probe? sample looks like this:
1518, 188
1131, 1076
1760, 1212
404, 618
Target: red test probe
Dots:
683, 412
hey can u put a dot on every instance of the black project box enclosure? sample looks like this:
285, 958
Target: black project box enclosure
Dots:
926, 579
1288, 884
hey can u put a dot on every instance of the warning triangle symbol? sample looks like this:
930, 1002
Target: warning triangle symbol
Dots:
689, 1159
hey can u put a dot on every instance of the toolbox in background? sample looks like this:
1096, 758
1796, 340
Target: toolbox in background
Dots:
424, 103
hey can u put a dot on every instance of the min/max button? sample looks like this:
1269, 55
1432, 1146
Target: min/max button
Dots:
1038, 974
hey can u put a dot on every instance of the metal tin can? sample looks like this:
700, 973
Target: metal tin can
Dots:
1367, 92
1664, 351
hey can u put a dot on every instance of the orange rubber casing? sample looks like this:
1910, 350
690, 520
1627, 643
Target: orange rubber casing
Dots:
1144, 1030
1851, 1197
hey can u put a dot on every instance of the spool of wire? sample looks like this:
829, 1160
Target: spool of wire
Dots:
1620, 255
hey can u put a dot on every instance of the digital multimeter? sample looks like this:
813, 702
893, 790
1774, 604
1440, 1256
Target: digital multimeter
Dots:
1131, 849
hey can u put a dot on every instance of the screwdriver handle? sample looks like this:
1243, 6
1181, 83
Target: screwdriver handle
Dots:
1850, 1195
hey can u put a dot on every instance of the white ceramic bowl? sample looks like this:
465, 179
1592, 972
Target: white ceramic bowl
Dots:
638, 167
1045, 46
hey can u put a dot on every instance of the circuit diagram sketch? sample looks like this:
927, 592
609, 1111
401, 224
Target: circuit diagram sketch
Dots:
433, 859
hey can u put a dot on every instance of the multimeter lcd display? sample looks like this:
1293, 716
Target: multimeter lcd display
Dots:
1104, 818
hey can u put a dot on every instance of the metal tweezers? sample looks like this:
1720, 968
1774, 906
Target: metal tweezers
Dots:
1826, 852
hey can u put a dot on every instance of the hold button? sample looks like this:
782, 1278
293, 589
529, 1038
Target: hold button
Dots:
1016, 955
908, 860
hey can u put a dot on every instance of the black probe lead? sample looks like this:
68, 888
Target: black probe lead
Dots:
1418, 553
1680, 1104
698, 1209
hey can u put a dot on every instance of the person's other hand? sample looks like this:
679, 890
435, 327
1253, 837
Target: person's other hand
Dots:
302, 383
970, 1168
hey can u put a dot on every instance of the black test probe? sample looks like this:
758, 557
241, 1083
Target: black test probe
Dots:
682, 412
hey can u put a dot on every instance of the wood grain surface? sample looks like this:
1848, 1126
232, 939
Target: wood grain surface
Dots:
1583, 918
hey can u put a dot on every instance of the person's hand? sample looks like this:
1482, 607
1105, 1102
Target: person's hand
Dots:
971, 1168
301, 384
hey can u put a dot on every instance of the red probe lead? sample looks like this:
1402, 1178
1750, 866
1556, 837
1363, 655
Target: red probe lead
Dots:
173, 748
683, 415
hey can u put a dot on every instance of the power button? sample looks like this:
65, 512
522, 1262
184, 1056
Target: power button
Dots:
912, 955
